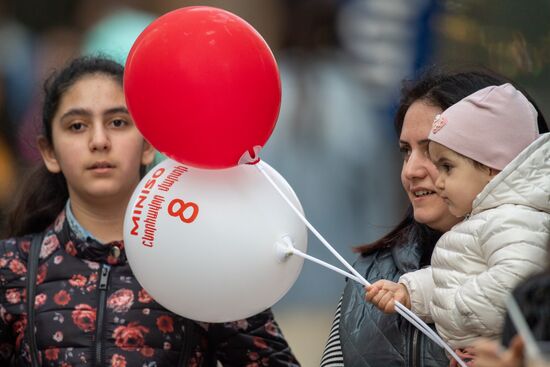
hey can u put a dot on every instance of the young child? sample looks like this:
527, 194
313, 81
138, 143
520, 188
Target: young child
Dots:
67, 294
494, 171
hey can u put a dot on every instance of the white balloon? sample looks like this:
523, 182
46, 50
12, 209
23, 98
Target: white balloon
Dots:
203, 243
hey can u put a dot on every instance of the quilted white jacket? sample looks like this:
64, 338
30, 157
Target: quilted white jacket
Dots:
481, 259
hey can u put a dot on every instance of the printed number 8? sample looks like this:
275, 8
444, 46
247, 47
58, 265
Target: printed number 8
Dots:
181, 210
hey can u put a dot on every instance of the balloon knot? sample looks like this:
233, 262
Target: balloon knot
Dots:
251, 155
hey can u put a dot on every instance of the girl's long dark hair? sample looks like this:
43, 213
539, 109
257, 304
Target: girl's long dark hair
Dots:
43, 194
442, 89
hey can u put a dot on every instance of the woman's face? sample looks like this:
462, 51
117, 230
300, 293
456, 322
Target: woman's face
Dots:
418, 174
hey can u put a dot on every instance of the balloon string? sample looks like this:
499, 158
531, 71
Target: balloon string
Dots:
311, 228
515, 314
295, 251
399, 308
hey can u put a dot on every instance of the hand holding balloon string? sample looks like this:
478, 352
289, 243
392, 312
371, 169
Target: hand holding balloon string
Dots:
288, 250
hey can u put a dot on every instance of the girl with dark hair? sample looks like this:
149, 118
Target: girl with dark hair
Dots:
361, 335
67, 294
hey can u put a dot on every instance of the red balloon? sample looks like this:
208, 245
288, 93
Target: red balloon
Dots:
203, 87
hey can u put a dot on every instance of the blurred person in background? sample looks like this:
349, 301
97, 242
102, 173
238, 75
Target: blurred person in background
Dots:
8, 173
327, 142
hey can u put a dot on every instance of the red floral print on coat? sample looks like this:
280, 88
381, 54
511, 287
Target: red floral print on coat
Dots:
66, 304
144, 297
5, 315
260, 343
13, 296
271, 328
84, 317
62, 298
165, 324
50, 244
130, 337
147, 351
18, 267
121, 300
40, 300
58, 336
42, 272
25, 246
118, 361
78, 280
52, 354
70, 248
19, 330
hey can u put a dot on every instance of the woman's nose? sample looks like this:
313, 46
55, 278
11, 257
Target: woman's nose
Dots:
415, 166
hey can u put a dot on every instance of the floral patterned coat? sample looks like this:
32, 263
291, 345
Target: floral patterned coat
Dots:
89, 310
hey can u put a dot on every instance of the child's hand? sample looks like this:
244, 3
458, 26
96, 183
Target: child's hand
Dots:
384, 293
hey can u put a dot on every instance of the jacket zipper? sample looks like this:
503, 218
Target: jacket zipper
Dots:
188, 339
103, 286
31, 274
414, 348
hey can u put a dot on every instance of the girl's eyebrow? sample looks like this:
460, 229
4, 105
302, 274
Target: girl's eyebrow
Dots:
85, 112
115, 110
76, 112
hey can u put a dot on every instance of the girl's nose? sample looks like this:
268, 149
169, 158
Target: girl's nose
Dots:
99, 140
439, 183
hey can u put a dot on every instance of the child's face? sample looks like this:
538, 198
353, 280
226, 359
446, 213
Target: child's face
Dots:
96, 145
459, 181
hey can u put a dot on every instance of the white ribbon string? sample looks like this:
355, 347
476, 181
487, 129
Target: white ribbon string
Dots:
295, 251
399, 308
523, 329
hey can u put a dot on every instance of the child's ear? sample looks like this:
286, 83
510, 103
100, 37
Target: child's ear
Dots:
493, 172
48, 155
148, 153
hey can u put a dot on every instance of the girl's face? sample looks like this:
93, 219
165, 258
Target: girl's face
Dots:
459, 181
419, 173
96, 145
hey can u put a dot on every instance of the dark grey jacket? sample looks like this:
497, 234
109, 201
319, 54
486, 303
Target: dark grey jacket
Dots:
371, 338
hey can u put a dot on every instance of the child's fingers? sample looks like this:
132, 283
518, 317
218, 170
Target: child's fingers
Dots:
386, 303
371, 292
375, 300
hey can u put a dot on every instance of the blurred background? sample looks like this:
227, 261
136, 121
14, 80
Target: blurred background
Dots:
341, 64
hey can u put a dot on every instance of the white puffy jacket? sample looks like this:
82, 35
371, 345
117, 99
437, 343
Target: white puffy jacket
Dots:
481, 259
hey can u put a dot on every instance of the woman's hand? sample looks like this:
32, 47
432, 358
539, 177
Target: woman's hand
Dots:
384, 293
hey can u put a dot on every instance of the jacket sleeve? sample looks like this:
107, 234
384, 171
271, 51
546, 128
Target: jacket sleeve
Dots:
257, 340
420, 286
514, 247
